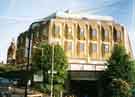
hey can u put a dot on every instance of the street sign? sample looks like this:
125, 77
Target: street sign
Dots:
38, 77
54, 72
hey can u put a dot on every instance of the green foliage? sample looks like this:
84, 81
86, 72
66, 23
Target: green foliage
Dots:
42, 61
118, 88
119, 66
8, 67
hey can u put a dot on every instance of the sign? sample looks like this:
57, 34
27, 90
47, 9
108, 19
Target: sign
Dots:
38, 77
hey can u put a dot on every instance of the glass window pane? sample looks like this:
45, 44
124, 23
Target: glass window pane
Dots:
106, 47
69, 30
94, 47
69, 46
81, 32
94, 33
57, 29
118, 35
81, 46
106, 33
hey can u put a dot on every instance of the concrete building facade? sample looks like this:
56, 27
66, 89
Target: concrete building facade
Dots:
87, 40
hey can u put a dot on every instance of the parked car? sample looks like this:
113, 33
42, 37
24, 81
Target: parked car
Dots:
5, 94
5, 86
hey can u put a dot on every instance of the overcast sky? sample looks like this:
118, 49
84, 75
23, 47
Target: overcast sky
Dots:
17, 15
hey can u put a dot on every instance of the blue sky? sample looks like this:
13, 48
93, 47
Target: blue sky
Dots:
17, 15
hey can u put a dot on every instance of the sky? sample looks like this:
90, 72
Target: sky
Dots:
17, 15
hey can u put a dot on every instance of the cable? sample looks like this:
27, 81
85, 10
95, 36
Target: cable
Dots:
100, 8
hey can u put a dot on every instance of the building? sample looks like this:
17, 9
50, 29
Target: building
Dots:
87, 40
11, 53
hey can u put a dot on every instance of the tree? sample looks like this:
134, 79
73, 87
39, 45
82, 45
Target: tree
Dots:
118, 88
42, 61
119, 66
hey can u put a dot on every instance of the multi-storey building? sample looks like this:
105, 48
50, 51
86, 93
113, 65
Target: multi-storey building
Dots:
11, 53
87, 40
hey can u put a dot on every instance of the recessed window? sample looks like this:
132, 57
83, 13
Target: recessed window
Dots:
69, 46
68, 32
81, 32
94, 47
57, 29
118, 35
81, 47
106, 33
37, 34
94, 33
69, 29
45, 32
105, 48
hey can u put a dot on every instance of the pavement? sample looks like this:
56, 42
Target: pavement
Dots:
19, 92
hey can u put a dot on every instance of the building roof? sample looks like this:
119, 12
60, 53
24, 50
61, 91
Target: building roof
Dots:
78, 16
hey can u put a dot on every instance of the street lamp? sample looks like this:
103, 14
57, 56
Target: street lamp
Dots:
52, 70
42, 55
52, 67
29, 51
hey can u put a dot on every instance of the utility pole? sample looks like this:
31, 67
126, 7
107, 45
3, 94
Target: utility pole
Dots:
28, 54
52, 69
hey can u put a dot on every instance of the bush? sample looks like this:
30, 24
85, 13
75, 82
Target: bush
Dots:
118, 88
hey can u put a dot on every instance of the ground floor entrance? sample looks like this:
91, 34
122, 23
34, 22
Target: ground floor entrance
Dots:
84, 88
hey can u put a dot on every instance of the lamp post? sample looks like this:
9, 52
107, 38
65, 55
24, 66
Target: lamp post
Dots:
52, 69
29, 53
42, 63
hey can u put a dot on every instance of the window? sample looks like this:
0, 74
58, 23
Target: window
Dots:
68, 32
69, 29
94, 47
57, 29
105, 48
81, 32
94, 33
118, 36
37, 34
81, 47
45, 30
106, 34
45, 33
69, 46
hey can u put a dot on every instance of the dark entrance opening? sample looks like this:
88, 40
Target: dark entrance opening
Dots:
84, 88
